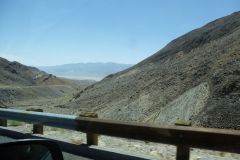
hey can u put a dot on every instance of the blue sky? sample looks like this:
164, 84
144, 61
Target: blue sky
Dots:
51, 32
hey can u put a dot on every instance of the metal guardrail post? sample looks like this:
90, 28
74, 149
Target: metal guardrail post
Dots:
92, 138
37, 128
182, 152
3, 122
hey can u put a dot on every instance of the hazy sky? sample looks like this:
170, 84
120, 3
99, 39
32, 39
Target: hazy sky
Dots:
50, 32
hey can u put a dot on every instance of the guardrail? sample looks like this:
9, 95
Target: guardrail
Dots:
182, 137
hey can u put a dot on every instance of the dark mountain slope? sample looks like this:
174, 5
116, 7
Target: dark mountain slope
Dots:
28, 86
198, 37
195, 77
15, 73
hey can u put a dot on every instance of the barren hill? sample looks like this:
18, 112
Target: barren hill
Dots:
195, 77
14, 73
27, 86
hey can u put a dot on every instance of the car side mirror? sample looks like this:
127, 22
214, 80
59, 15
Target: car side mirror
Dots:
30, 150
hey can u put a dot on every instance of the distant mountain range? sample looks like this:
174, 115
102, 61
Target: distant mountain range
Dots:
94, 71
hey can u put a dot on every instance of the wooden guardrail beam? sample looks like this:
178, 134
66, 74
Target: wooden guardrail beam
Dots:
205, 138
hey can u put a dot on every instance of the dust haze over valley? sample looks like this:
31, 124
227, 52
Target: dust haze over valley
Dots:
25, 86
92, 71
195, 78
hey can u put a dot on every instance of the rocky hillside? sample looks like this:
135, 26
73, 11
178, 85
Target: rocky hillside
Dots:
195, 77
14, 73
22, 85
